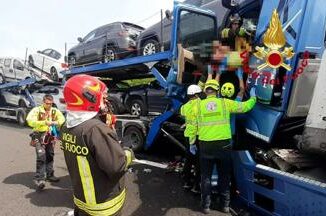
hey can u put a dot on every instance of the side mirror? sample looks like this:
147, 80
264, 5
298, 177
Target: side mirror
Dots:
38, 51
80, 39
168, 15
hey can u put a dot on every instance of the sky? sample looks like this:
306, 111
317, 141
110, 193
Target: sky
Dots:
40, 24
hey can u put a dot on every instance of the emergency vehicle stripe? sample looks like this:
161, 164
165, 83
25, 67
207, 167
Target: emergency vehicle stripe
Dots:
86, 179
107, 208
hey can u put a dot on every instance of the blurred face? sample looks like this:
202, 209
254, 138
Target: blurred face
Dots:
47, 104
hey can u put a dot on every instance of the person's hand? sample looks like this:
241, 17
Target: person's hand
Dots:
193, 149
252, 92
55, 123
129, 155
48, 123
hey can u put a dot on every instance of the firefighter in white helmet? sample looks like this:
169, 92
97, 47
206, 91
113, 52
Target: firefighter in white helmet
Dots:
189, 110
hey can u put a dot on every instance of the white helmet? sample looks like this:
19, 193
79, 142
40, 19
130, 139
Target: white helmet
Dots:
193, 89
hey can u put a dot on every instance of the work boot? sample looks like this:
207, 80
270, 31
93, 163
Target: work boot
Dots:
40, 184
52, 179
225, 209
206, 210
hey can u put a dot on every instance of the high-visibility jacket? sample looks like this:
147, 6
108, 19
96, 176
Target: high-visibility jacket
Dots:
37, 118
189, 111
97, 164
214, 116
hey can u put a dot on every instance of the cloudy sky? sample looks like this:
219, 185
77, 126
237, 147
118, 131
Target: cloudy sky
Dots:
41, 24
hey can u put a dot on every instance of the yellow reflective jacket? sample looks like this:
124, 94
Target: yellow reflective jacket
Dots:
190, 112
37, 118
214, 116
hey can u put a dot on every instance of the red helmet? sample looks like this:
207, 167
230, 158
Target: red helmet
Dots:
83, 93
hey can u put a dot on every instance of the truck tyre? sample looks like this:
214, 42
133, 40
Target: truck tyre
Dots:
150, 47
136, 137
21, 117
137, 108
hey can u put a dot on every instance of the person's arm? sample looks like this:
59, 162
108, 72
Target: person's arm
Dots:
240, 107
32, 118
60, 119
108, 153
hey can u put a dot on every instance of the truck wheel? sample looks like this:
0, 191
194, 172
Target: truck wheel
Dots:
136, 137
138, 108
150, 47
21, 117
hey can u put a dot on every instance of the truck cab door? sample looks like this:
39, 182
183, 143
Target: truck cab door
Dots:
273, 85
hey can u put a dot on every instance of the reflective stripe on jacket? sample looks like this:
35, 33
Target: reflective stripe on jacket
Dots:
214, 117
96, 163
190, 111
37, 117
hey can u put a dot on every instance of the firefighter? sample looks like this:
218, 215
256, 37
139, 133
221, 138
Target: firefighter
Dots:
214, 134
96, 162
42, 119
189, 110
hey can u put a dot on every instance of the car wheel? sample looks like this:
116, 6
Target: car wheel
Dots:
72, 60
2, 79
150, 47
114, 107
21, 117
135, 138
109, 54
31, 61
137, 108
54, 74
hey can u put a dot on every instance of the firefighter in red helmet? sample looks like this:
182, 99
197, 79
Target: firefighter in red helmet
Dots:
96, 162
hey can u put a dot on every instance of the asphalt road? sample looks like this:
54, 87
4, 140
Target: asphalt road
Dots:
151, 191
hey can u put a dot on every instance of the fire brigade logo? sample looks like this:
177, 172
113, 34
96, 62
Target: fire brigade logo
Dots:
211, 106
274, 39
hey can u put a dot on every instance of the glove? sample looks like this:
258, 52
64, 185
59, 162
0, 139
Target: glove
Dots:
193, 149
252, 92
130, 156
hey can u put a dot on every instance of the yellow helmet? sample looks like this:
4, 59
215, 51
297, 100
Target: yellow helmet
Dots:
227, 90
212, 84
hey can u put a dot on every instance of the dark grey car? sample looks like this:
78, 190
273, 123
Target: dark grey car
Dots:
106, 43
152, 40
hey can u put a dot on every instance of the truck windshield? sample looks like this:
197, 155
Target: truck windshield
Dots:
196, 29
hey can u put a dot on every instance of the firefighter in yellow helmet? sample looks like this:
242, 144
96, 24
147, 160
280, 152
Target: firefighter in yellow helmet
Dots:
214, 134
95, 160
